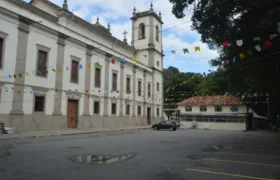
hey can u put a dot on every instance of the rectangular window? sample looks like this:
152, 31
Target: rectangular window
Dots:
114, 81
97, 77
218, 109
139, 88
188, 109
1, 51
39, 104
203, 109
42, 63
74, 72
128, 85
157, 111
96, 108
127, 110
157, 86
139, 111
234, 109
114, 108
149, 90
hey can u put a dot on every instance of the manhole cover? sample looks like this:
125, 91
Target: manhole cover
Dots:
74, 147
101, 159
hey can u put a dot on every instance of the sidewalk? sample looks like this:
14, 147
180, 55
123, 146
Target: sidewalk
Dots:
38, 134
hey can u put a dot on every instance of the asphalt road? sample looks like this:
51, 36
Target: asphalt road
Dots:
160, 155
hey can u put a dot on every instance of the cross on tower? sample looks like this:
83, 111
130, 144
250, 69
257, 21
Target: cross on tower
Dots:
125, 33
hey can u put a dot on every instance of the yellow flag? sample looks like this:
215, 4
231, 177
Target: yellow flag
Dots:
197, 48
59, 69
242, 56
27, 73
89, 65
92, 90
133, 58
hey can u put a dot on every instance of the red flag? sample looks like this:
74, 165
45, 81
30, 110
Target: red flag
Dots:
225, 44
267, 44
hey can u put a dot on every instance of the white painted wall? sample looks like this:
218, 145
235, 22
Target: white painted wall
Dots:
8, 26
158, 44
38, 36
211, 109
73, 49
222, 126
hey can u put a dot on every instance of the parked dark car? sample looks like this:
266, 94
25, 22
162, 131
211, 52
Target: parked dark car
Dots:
165, 125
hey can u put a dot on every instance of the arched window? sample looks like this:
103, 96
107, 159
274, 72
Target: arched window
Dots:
157, 34
142, 31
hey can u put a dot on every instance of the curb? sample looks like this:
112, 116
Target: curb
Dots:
69, 134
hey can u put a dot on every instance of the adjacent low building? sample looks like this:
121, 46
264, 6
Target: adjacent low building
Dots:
214, 112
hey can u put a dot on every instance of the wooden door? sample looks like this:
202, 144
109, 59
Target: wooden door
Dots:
72, 114
149, 115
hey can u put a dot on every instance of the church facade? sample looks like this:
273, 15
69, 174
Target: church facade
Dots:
59, 71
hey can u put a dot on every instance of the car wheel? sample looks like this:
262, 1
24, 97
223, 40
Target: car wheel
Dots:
155, 128
171, 129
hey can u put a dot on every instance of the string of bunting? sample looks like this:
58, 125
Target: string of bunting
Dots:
70, 93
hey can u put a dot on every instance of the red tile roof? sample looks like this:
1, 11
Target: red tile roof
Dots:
212, 100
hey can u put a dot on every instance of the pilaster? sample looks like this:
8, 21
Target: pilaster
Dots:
59, 75
87, 79
21, 56
106, 86
121, 90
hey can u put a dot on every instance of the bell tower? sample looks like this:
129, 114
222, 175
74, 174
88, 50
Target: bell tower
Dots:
147, 37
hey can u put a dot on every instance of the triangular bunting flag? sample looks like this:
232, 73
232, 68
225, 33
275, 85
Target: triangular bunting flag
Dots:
89, 65
19, 75
185, 50
273, 36
133, 58
267, 44
59, 69
234, 60
239, 42
242, 56
211, 46
225, 44
258, 48
15, 76
173, 51
113, 61
81, 66
256, 38
250, 52
27, 73
123, 60
97, 64
197, 49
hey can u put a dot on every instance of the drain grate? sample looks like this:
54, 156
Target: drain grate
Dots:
101, 159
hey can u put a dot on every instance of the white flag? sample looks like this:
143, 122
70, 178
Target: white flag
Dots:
258, 48
239, 42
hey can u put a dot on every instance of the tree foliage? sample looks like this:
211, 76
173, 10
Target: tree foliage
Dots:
180, 85
221, 21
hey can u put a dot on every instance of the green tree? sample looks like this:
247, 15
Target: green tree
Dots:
220, 21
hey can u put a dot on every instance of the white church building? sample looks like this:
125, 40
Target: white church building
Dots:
58, 71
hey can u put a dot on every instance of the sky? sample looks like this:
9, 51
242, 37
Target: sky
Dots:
118, 14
